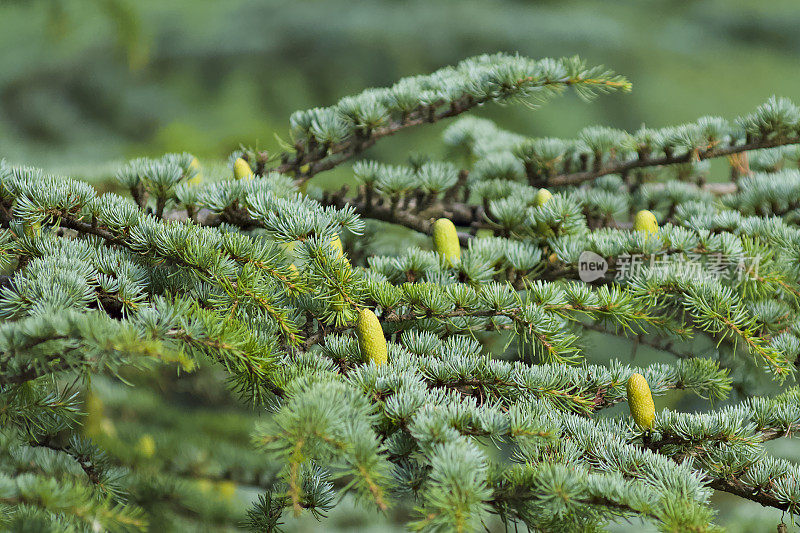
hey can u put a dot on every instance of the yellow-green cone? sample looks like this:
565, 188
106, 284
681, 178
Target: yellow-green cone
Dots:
294, 277
226, 489
640, 401
445, 240
370, 337
645, 221
541, 198
338, 302
146, 445
242, 170
197, 179
33, 230
336, 244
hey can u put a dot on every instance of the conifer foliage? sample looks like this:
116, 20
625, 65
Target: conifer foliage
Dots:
387, 377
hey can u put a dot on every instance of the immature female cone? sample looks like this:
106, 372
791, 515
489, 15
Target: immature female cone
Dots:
146, 445
445, 240
336, 244
197, 179
226, 489
645, 221
338, 302
640, 401
294, 277
370, 337
33, 230
242, 170
338, 252
541, 198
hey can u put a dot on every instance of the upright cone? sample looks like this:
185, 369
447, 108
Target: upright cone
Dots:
146, 445
640, 401
33, 230
197, 179
445, 239
336, 244
370, 337
242, 170
542, 197
645, 221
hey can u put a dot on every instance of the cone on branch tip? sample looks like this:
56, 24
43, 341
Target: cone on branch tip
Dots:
336, 244
146, 446
640, 401
33, 230
197, 179
370, 337
645, 221
294, 277
542, 197
445, 240
242, 170
226, 489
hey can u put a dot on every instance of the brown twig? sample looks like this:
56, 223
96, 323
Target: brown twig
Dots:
310, 160
617, 167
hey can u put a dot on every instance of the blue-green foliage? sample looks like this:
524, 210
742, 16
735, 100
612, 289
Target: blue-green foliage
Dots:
245, 276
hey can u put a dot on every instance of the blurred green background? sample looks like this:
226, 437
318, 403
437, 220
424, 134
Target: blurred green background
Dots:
86, 84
